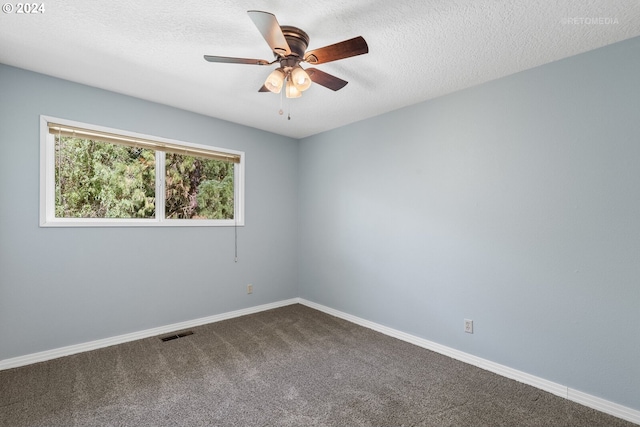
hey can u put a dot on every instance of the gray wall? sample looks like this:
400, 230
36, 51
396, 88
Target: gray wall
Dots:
515, 203
63, 286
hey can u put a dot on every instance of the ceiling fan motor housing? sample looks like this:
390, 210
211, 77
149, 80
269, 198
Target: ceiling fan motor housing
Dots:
297, 39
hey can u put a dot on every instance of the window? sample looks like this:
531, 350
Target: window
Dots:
95, 176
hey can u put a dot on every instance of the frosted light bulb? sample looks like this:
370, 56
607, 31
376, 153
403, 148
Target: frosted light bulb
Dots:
275, 81
292, 91
301, 79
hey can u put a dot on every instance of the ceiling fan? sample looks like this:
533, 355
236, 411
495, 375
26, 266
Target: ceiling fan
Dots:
289, 45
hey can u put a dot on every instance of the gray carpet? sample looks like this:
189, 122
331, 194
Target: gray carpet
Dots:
292, 366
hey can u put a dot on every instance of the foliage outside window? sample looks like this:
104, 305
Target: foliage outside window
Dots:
198, 188
94, 177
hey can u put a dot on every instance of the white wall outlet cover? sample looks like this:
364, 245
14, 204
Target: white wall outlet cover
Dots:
468, 326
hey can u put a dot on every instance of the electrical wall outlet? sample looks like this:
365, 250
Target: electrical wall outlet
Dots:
468, 326
249, 289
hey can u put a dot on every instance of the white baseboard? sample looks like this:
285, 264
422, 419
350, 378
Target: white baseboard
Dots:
585, 399
605, 406
94, 345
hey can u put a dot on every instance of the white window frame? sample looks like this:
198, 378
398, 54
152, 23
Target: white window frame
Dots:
47, 183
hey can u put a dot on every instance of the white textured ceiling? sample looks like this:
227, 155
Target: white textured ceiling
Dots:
418, 50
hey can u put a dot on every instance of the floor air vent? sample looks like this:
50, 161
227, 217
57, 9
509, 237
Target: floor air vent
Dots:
176, 336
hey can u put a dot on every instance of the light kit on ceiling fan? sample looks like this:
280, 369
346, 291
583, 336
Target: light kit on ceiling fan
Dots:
297, 81
289, 46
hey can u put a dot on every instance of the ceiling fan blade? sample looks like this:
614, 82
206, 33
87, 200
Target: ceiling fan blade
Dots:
270, 29
345, 49
228, 60
325, 79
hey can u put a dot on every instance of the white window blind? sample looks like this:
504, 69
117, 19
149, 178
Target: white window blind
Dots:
76, 132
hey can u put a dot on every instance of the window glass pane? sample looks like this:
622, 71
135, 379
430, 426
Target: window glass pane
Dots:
95, 179
100, 177
198, 188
